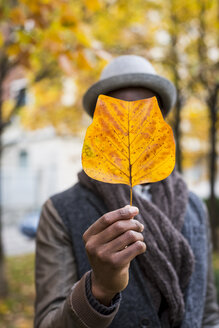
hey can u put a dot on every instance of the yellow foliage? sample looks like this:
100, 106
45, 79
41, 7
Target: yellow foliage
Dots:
46, 108
195, 131
82, 35
7, 108
3, 308
82, 61
17, 16
13, 49
1, 39
67, 17
93, 5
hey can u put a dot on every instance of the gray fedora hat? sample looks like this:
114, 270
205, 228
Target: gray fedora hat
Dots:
130, 71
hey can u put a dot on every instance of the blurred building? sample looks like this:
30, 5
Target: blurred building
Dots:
197, 180
35, 165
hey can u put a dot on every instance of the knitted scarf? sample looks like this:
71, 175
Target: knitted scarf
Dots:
168, 261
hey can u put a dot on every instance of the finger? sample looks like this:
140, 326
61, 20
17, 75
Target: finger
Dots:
126, 239
109, 218
118, 228
125, 256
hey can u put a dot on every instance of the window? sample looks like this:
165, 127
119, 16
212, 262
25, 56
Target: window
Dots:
23, 158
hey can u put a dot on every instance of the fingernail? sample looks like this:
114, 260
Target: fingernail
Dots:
142, 227
133, 210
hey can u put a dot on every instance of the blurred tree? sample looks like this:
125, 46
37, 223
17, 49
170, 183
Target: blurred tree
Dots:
205, 73
157, 30
49, 40
80, 59
172, 39
178, 16
195, 135
208, 73
57, 42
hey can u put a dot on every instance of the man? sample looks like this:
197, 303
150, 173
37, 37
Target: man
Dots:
151, 272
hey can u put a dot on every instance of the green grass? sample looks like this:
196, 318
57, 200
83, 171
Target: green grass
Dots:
216, 272
16, 311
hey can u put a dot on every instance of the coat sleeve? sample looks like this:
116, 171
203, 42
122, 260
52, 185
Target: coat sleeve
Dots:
211, 310
61, 300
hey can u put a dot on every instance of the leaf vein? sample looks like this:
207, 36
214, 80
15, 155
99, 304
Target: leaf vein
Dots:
156, 168
153, 158
115, 165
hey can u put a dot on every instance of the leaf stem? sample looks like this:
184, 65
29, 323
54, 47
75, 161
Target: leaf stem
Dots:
131, 195
129, 155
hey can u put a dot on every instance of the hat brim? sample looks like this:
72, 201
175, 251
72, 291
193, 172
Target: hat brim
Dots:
161, 86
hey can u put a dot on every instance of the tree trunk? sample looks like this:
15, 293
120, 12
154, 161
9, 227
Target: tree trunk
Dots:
3, 280
176, 79
177, 133
212, 103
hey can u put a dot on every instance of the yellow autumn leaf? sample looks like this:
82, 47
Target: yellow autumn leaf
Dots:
13, 49
128, 142
92, 5
17, 15
7, 109
1, 39
82, 61
82, 35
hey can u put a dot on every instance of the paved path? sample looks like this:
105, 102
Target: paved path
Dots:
16, 243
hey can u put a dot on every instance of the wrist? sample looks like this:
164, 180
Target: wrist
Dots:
103, 295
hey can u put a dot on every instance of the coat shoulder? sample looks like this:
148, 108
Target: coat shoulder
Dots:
78, 201
73, 193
